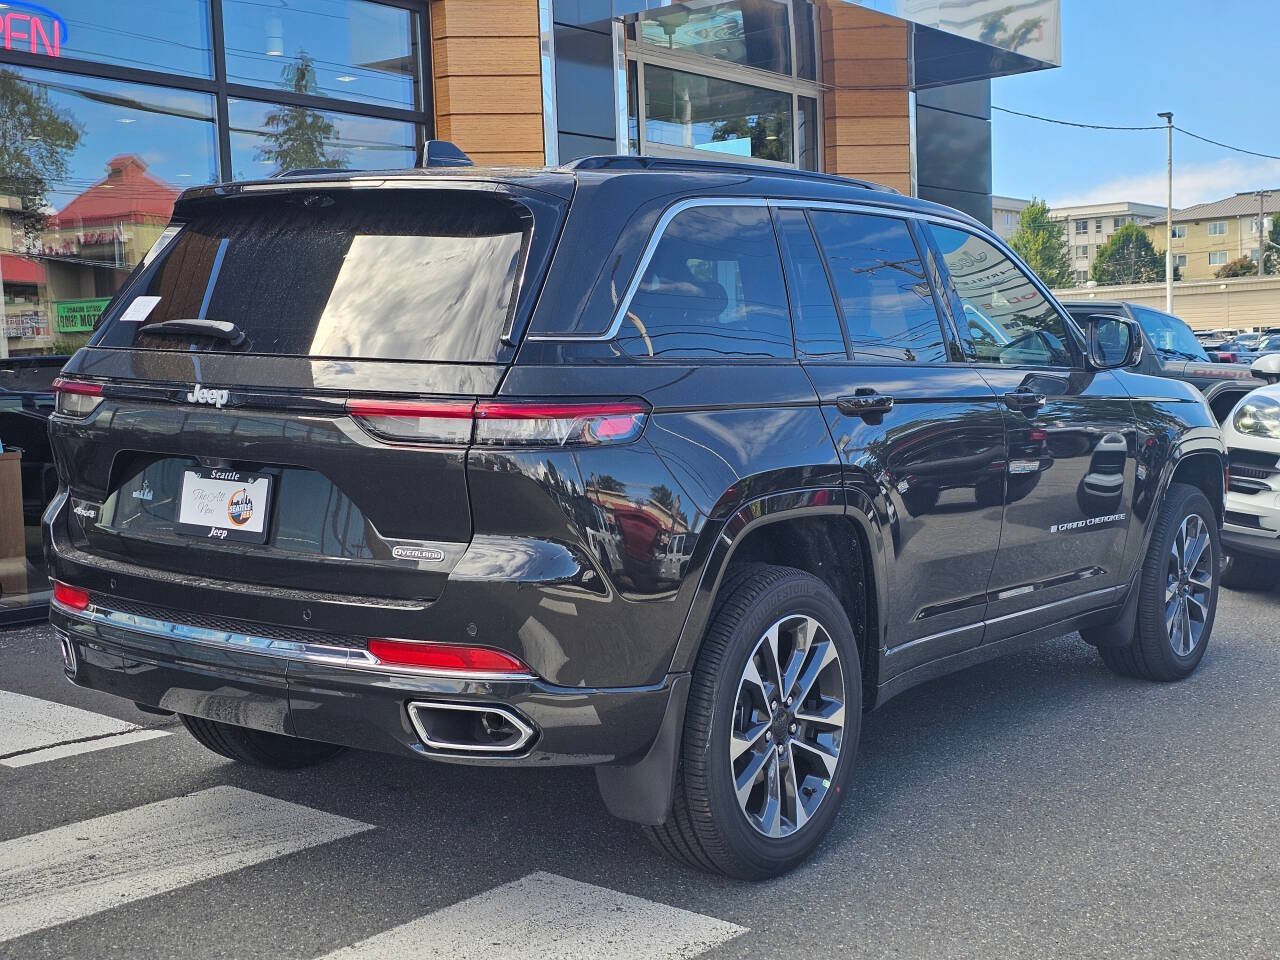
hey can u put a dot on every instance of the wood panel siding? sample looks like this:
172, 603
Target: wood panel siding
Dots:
866, 111
487, 74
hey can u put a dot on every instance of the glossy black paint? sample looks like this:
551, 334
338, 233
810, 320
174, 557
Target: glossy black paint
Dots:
931, 516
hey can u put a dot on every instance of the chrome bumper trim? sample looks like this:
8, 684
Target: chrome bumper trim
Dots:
317, 653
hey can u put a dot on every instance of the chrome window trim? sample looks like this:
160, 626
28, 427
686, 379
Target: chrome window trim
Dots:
691, 202
317, 653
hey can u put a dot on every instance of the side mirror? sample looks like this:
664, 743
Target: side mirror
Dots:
1267, 368
1113, 341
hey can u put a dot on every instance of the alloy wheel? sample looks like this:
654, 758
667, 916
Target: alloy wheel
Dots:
1188, 585
788, 725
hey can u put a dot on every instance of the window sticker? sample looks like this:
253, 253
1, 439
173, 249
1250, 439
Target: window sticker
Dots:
139, 310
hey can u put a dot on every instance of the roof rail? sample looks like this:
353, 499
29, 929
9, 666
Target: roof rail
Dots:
623, 162
309, 172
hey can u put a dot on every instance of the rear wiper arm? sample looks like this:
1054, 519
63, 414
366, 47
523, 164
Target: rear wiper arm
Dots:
198, 326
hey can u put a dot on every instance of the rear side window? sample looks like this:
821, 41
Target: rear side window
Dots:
884, 293
813, 311
388, 275
712, 289
1009, 320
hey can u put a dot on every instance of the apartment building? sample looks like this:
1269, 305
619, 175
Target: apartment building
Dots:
1089, 226
1005, 212
1208, 236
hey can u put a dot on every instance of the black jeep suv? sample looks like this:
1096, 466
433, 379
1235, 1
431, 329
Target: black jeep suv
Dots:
673, 469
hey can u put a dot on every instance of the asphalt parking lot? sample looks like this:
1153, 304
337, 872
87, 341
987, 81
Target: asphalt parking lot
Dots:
1036, 806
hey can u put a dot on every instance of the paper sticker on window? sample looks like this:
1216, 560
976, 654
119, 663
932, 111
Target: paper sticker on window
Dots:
139, 310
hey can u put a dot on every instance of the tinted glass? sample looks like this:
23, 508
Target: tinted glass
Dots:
391, 276
806, 40
884, 293
716, 116
813, 311
750, 32
712, 289
1007, 317
1169, 335
348, 49
268, 138
167, 35
807, 133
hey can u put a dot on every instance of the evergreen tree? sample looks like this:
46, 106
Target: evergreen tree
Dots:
299, 138
1042, 243
1129, 256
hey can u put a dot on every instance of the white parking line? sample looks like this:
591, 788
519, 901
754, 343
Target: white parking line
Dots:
83, 868
547, 917
29, 723
77, 747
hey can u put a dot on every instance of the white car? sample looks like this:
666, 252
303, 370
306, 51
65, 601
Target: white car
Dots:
1251, 529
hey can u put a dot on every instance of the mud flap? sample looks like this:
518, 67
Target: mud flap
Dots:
641, 791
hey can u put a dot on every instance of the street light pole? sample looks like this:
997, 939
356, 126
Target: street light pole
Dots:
1262, 233
1168, 222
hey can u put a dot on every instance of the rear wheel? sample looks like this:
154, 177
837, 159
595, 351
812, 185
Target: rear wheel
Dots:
1178, 592
1242, 572
771, 729
257, 748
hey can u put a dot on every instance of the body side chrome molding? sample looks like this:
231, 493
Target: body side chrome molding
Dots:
317, 653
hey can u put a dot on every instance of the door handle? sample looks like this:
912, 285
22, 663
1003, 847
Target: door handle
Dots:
1025, 400
864, 403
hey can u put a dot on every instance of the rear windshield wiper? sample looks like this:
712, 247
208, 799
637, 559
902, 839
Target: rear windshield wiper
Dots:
197, 326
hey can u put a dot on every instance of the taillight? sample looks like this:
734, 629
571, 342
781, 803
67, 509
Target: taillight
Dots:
559, 424
446, 657
503, 422
445, 421
1224, 357
76, 398
71, 597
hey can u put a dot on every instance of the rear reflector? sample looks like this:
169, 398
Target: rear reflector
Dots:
76, 398
503, 423
449, 657
71, 597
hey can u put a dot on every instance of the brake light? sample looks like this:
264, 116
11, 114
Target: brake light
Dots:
1225, 357
503, 423
76, 398
447, 657
71, 597
558, 424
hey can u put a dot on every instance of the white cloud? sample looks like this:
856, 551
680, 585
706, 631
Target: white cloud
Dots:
1192, 183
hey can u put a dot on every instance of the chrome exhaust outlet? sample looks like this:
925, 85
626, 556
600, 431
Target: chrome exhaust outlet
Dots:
69, 661
470, 727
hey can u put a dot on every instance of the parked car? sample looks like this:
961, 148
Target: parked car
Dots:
1251, 527
1213, 339
632, 463
1229, 351
1170, 349
1266, 344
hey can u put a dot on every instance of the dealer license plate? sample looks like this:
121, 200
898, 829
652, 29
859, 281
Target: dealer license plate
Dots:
224, 505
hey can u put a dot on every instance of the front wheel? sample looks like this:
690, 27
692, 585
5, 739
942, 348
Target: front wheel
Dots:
1178, 592
771, 728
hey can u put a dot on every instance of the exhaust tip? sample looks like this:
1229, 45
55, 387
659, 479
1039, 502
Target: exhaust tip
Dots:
69, 661
470, 728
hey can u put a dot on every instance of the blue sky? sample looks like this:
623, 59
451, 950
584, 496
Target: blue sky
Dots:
1214, 64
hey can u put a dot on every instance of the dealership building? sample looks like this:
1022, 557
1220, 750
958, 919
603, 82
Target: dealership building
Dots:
112, 109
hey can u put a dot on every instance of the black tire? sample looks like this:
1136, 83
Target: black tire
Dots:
1242, 572
1151, 654
707, 828
256, 748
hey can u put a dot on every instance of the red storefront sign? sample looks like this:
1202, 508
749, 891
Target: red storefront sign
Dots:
32, 29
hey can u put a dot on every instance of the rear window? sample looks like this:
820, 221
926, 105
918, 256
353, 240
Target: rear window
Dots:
378, 275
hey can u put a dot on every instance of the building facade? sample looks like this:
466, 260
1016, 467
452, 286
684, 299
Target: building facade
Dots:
1208, 236
1089, 226
1005, 212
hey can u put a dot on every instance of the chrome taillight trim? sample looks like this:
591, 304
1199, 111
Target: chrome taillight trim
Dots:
317, 653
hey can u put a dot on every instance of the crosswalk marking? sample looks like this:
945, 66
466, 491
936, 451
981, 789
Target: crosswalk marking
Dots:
548, 917
29, 723
76, 747
83, 868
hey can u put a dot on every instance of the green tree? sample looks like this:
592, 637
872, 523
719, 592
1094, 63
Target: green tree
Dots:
298, 138
1129, 256
1271, 260
1239, 267
1042, 243
36, 140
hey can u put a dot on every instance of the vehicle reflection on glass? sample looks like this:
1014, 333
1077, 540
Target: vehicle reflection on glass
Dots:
1102, 487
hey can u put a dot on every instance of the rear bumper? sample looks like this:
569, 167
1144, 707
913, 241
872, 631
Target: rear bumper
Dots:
331, 695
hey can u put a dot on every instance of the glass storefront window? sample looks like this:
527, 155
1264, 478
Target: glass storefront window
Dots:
89, 172
346, 49
752, 33
686, 110
807, 133
167, 35
269, 138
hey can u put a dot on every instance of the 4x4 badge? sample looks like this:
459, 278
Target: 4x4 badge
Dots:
201, 394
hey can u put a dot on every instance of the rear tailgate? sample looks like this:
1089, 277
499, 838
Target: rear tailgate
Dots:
278, 461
